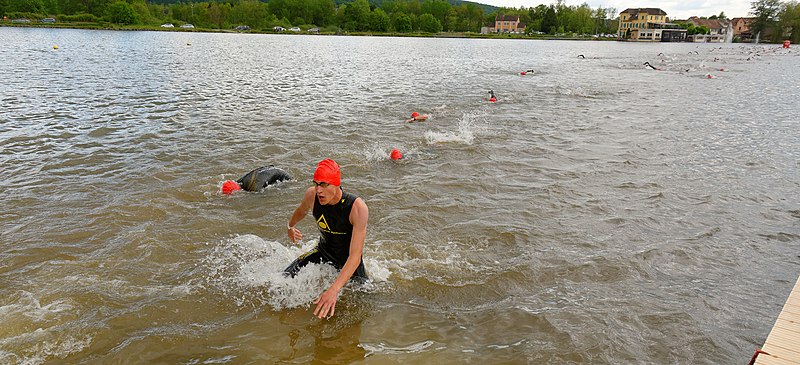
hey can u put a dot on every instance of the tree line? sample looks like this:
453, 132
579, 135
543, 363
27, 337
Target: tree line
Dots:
775, 20
400, 16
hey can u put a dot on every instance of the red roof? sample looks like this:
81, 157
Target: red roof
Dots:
506, 18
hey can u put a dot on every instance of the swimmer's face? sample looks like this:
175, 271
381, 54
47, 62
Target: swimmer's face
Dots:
325, 192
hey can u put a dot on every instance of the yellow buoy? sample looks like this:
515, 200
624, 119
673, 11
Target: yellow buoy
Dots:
55, 47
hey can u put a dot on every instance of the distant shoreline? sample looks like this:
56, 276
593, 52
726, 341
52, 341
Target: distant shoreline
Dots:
98, 26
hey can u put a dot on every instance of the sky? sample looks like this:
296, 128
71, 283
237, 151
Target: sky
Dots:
675, 9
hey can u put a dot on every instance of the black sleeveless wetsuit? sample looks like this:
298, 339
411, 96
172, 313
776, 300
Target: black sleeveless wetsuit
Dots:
335, 231
261, 177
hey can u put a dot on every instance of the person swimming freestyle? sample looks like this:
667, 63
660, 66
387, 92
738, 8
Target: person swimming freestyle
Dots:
256, 179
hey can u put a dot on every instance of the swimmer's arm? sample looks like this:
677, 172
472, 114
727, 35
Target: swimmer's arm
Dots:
300, 213
326, 303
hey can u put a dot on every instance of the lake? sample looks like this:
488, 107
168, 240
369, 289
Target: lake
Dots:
600, 212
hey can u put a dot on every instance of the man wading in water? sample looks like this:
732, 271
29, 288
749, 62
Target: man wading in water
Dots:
342, 221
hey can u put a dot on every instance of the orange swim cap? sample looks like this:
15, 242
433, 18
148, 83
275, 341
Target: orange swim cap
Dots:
328, 171
396, 155
414, 115
229, 186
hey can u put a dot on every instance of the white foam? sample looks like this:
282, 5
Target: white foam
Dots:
382, 348
51, 338
249, 270
465, 132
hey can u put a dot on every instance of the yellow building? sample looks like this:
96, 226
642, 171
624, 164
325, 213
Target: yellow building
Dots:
508, 24
648, 24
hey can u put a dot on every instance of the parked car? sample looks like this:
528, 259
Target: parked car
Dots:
187, 26
167, 25
294, 29
313, 30
279, 29
21, 20
48, 20
242, 28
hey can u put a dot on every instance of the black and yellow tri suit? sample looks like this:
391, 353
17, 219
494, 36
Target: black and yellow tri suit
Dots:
336, 232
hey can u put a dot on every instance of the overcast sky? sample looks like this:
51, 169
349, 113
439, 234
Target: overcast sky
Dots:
676, 9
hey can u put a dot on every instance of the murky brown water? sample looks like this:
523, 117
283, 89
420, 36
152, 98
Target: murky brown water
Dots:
600, 212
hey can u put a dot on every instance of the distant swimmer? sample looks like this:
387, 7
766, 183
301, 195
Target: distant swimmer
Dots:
581, 56
341, 218
492, 98
526, 72
649, 65
661, 54
256, 180
416, 117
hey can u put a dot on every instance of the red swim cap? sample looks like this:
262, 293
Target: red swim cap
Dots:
492, 99
229, 186
523, 73
396, 155
414, 115
328, 171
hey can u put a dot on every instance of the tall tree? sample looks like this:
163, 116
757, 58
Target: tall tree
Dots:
790, 20
401, 22
438, 8
121, 12
550, 22
764, 12
429, 24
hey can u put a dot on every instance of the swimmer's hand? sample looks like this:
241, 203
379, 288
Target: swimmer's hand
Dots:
326, 303
294, 234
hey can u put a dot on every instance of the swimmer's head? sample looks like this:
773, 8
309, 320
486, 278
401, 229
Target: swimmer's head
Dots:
328, 172
396, 155
414, 115
229, 186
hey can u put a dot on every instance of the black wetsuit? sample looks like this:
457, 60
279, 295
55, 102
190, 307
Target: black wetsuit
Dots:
336, 232
261, 177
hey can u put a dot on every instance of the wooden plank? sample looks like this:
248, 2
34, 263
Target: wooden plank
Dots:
791, 310
786, 326
763, 359
783, 342
781, 352
789, 317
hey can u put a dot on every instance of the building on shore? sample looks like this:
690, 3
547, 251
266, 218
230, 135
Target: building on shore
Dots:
718, 30
648, 25
505, 24
741, 29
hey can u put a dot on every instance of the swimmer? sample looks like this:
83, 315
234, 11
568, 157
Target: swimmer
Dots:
416, 117
256, 180
581, 56
342, 221
649, 65
492, 98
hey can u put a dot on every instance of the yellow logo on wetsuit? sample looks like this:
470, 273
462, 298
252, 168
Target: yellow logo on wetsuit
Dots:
323, 224
324, 227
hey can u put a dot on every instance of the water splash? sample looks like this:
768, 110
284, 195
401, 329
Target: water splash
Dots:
465, 134
249, 270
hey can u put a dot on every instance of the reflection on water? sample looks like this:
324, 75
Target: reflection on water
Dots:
599, 212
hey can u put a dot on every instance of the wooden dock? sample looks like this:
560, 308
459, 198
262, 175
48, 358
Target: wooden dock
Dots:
783, 343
